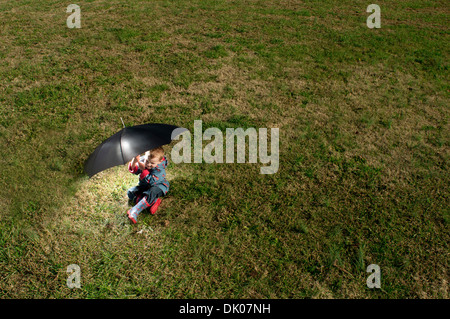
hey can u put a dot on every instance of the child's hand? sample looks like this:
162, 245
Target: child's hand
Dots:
135, 160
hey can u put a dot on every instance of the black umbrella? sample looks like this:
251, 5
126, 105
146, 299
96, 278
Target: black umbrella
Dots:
131, 141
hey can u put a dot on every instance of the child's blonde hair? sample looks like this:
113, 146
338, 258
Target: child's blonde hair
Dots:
157, 152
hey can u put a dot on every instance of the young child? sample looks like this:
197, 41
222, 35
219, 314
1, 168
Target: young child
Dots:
152, 182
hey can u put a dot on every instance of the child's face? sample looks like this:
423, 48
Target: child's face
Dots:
151, 162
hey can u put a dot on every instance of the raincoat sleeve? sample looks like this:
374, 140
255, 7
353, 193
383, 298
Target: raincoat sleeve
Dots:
135, 170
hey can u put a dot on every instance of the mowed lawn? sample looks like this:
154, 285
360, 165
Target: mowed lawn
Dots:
363, 163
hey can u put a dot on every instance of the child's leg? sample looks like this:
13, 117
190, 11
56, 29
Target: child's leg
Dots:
135, 194
132, 192
154, 195
139, 207
150, 197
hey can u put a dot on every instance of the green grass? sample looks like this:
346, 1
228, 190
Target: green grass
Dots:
363, 176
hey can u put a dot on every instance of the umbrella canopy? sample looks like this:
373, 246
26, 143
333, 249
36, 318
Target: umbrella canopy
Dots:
131, 141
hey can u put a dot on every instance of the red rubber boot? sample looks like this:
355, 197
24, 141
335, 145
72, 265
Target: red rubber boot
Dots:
139, 207
155, 206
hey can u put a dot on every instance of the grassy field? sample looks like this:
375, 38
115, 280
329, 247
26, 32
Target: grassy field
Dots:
364, 148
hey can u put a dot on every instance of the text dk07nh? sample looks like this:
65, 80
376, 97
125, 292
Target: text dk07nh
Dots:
246, 308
